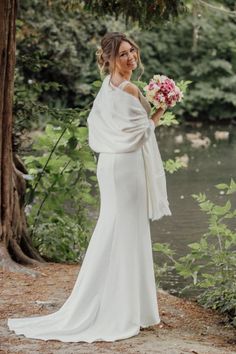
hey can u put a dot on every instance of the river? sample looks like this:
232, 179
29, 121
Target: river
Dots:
207, 165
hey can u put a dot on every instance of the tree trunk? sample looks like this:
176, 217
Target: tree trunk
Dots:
15, 244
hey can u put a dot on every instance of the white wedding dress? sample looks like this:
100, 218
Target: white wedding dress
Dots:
115, 293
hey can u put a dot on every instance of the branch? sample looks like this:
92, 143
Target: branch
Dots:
45, 198
216, 7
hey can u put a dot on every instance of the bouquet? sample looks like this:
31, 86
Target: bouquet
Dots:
163, 92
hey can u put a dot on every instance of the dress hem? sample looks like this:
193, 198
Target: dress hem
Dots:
113, 339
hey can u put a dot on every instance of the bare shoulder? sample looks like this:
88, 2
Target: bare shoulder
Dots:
132, 89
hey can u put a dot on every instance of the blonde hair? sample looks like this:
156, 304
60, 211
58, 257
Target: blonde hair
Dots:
107, 53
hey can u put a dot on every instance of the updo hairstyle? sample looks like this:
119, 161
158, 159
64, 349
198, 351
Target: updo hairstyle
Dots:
107, 53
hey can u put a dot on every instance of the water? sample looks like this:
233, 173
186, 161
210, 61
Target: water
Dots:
206, 168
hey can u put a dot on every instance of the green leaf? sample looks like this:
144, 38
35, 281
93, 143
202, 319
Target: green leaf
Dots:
221, 210
72, 142
222, 186
173, 165
163, 248
97, 83
168, 119
183, 85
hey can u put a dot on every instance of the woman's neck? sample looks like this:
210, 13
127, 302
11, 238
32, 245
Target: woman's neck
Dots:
118, 77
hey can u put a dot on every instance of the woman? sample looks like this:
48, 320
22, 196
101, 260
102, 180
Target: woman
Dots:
115, 294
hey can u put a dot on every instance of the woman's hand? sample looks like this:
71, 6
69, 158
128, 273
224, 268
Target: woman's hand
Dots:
157, 115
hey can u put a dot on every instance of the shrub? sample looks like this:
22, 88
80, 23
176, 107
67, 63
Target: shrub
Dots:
211, 263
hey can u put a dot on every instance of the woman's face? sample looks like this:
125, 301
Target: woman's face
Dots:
127, 57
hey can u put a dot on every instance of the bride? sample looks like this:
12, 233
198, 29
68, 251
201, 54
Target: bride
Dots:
115, 293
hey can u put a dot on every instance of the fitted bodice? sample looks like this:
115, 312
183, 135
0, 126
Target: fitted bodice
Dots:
146, 105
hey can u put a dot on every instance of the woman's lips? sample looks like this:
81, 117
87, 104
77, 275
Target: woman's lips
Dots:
133, 62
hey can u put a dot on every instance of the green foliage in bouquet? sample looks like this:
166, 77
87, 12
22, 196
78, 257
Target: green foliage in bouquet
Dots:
168, 119
211, 263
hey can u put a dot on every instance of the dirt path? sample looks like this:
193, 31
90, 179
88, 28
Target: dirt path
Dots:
185, 327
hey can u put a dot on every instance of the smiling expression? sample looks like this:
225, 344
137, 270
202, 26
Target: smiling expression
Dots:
127, 57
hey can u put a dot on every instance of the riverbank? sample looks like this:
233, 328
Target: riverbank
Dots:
185, 327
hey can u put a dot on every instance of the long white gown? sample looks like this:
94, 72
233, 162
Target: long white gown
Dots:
115, 292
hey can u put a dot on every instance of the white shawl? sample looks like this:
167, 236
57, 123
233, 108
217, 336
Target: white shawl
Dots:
118, 123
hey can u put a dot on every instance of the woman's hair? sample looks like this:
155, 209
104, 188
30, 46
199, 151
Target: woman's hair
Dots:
107, 53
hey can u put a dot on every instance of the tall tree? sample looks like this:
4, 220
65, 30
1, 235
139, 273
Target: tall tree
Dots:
13, 227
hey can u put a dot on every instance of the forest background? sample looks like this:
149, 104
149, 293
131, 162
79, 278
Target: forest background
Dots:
55, 83
56, 80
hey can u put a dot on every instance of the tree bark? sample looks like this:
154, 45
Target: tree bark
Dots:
15, 244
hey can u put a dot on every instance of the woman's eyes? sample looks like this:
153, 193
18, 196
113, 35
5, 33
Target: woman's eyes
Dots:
131, 50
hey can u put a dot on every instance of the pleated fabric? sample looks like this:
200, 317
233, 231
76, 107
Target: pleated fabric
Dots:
115, 293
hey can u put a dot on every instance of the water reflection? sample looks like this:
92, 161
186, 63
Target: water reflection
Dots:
208, 164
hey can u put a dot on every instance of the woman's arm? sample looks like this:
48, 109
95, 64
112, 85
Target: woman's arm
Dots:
157, 115
134, 91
